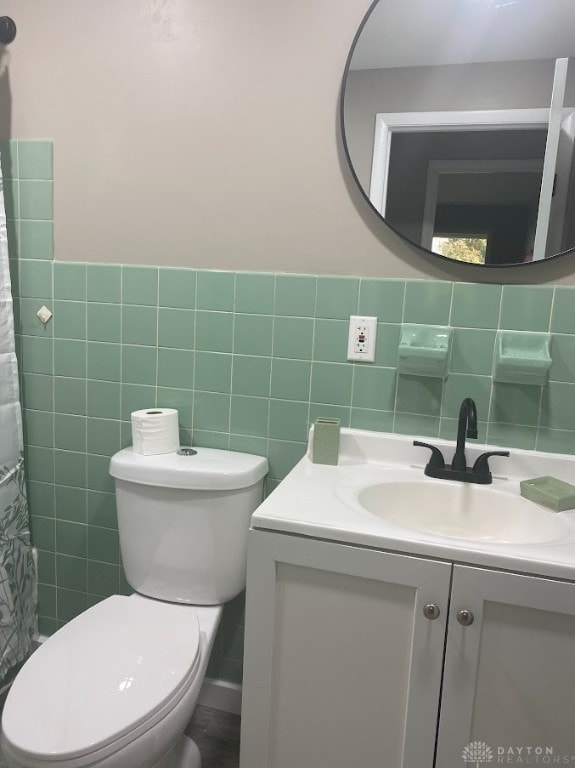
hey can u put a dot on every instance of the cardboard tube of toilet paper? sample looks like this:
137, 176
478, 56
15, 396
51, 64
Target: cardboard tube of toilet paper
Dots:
155, 431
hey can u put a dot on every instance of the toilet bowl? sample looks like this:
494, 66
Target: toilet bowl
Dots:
105, 690
116, 686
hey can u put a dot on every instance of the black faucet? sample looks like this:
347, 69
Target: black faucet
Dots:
466, 427
458, 469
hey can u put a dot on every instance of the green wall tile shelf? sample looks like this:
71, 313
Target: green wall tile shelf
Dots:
522, 358
424, 350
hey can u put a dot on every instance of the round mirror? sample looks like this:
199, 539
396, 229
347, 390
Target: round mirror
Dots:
458, 120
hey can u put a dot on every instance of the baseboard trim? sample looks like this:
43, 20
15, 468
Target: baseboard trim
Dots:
219, 694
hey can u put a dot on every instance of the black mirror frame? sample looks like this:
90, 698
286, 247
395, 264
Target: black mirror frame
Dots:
365, 196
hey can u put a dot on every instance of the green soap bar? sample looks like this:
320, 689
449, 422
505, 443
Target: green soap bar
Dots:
549, 491
325, 446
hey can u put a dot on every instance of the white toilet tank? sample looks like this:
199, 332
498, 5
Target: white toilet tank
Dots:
183, 521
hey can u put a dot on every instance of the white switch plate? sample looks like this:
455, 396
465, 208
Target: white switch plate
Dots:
361, 339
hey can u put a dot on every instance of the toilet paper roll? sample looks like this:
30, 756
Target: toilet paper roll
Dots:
155, 431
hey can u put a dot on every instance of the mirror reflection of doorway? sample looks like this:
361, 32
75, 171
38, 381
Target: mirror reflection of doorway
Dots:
476, 183
500, 199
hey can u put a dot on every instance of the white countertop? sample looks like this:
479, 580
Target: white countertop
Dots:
321, 502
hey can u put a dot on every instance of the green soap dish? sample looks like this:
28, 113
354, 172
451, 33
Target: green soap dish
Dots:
550, 492
522, 358
424, 350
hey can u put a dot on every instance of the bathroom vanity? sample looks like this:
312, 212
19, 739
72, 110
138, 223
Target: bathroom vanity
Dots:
399, 621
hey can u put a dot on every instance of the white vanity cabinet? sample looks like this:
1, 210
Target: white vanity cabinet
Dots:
359, 657
509, 676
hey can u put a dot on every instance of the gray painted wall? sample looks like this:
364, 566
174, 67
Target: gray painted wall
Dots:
203, 134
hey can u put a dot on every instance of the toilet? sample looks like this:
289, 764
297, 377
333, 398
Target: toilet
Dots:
117, 685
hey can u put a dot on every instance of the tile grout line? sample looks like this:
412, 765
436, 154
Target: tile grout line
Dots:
235, 275
396, 393
158, 337
442, 416
194, 358
121, 372
87, 423
53, 291
312, 353
540, 412
490, 413
354, 364
272, 357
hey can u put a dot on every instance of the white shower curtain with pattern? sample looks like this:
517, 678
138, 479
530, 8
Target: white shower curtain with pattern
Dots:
17, 572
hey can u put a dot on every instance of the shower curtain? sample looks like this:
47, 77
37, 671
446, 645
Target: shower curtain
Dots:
18, 623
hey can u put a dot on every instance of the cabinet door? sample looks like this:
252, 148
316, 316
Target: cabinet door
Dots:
341, 665
509, 679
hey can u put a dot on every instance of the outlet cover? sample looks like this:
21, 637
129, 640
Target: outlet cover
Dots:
361, 339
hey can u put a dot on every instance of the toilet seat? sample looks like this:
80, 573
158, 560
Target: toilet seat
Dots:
102, 679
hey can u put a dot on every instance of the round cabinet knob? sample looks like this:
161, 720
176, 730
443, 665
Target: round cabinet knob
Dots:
431, 611
465, 618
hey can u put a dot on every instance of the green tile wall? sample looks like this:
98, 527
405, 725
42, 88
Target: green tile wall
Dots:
249, 360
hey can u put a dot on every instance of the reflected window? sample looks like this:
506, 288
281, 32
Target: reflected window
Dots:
469, 249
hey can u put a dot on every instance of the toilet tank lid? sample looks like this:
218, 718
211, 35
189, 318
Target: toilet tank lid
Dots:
209, 469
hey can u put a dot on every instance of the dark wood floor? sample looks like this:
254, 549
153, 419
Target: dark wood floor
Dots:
217, 735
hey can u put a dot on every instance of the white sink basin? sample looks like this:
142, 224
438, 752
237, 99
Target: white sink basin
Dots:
462, 511
378, 496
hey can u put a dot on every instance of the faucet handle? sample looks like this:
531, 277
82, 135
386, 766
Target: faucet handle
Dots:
481, 465
436, 461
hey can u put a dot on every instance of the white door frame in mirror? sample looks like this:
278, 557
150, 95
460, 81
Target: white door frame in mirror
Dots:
437, 167
553, 197
558, 205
